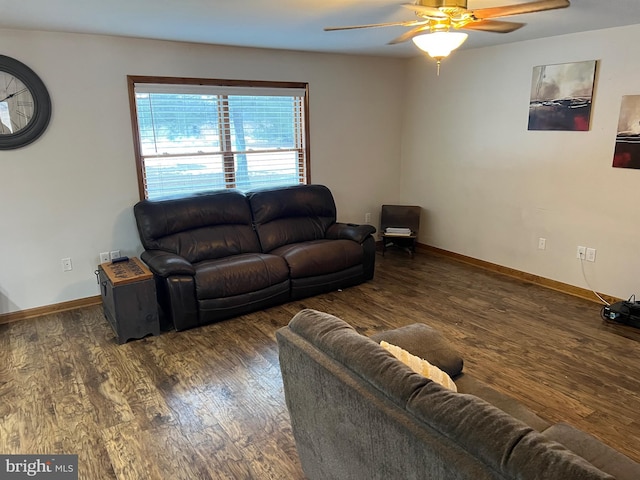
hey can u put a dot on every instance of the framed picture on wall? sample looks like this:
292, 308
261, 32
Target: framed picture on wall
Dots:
561, 96
627, 151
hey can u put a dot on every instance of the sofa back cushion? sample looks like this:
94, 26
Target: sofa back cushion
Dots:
198, 227
293, 214
500, 441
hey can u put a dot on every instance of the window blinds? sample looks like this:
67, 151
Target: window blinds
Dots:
204, 137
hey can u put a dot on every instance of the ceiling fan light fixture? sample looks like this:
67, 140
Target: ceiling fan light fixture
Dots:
439, 44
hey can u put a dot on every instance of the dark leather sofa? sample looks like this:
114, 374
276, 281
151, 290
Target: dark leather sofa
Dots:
221, 254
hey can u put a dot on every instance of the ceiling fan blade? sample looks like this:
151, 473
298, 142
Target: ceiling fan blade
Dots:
428, 11
411, 23
530, 7
410, 34
495, 26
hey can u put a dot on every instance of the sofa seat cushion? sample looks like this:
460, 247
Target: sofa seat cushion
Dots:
593, 450
238, 274
320, 257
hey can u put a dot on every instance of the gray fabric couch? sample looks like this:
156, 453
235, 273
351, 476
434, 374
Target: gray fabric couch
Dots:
358, 413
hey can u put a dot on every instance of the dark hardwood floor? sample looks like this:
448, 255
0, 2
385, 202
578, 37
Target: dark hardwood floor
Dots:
208, 403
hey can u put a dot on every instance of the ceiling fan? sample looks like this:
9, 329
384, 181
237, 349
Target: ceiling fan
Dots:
437, 17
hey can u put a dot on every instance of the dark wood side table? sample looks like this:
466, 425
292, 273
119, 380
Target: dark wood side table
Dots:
129, 299
400, 216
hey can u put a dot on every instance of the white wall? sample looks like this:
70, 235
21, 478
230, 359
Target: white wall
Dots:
491, 188
70, 194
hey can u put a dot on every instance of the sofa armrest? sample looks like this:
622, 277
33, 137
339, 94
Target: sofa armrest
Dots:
166, 264
350, 231
425, 342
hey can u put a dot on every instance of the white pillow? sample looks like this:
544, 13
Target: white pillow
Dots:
420, 366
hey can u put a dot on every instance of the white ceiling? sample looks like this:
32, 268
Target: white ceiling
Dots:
291, 24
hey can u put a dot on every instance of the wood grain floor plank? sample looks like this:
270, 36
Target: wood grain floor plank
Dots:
129, 449
208, 403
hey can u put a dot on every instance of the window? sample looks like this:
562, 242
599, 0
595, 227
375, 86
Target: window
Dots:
193, 135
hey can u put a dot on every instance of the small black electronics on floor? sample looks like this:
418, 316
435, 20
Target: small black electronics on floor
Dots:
626, 312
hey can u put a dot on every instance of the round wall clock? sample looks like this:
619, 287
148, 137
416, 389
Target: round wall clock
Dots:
25, 105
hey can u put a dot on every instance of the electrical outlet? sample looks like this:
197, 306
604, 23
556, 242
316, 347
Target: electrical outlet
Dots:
591, 254
581, 253
66, 265
367, 218
542, 243
115, 254
104, 257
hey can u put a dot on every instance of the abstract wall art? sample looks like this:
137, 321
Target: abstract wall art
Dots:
627, 151
561, 96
